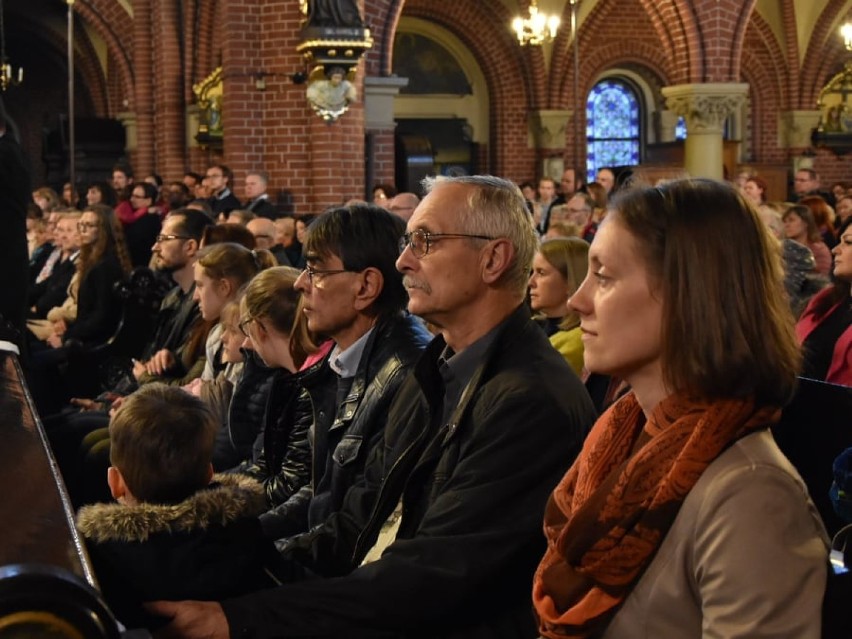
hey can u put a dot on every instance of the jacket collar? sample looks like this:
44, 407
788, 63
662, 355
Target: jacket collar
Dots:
227, 499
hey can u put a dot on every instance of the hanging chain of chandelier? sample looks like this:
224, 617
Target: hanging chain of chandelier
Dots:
8, 75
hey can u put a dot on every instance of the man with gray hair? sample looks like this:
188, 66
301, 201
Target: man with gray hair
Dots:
442, 536
403, 204
257, 201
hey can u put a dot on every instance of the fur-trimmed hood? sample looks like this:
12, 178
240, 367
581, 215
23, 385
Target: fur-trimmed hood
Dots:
227, 499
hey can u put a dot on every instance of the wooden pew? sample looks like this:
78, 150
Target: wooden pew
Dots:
47, 587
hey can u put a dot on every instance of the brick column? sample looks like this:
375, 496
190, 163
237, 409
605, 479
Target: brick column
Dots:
705, 107
168, 99
143, 90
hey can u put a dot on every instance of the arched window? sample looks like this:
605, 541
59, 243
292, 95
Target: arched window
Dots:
612, 126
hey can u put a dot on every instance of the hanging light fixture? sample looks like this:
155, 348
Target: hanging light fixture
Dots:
846, 32
8, 76
536, 29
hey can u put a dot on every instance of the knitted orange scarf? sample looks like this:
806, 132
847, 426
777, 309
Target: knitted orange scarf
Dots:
608, 516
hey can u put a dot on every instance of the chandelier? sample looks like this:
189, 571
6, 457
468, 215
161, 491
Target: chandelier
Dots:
537, 29
846, 32
8, 76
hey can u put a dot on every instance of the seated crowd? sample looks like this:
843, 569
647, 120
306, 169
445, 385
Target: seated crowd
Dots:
494, 411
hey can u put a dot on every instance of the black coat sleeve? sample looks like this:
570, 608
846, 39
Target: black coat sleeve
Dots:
98, 310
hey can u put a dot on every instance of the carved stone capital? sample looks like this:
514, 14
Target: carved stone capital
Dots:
128, 119
547, 128
705, 106
379, 94
795, 128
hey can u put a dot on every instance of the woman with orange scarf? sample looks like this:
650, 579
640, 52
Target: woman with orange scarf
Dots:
681, 517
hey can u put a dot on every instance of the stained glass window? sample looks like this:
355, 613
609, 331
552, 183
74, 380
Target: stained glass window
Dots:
680, 129
612, 126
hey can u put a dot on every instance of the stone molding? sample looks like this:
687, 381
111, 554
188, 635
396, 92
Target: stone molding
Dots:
705, 106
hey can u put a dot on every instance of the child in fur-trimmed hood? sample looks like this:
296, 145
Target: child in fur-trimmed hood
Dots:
177, 531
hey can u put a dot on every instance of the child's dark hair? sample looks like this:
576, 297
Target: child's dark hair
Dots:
162, 443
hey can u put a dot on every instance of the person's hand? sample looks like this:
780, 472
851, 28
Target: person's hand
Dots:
84, 404
162, 361
190, 619
54, 340
59, 327
139, 369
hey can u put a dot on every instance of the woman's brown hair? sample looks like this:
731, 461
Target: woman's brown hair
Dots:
110, 240
727, 330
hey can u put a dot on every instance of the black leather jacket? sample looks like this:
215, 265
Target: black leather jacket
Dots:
343, 434
280, 451
473, 492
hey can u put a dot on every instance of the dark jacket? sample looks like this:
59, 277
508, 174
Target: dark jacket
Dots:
262, 207
473, 492
98, 309
224, 204
246, 413
344, 432
206, 547
281, 455
52, 291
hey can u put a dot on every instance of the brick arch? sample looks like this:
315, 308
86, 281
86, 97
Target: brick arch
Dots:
745, 9
765, 91
105, 17
815, 56
601, 27
379, 60
615, 55
791, 45
507, 73
676, 25
763, 49
834, 57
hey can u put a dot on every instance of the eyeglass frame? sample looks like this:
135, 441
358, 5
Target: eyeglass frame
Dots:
242, 324
86, 225
159, 239
430, 238
311, 271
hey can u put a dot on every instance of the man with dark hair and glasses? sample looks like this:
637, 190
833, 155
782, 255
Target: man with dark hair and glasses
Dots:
442, 535
353, 295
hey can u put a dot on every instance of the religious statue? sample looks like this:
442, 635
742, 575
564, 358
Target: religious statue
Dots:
333, 13
330, 97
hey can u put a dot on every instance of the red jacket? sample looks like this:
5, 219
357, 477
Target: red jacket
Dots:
840, 371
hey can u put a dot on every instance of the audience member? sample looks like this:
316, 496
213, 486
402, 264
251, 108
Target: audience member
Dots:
202, 205
825, 329
800, 226
606, 178
807, 182
257, 199
382, 193
302, 224
571, 182
281, 456
354, 296
46, 199
142, 226
264, 233
237, 216
285, 237
843, 209
824, 218
546, 201
680, 487
464, 460
52, 290
177, 530
559, 266
403, 205
101, 193
228, 233
219, 180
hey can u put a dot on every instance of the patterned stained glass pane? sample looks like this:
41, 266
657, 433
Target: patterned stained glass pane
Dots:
612, 126
680, 129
